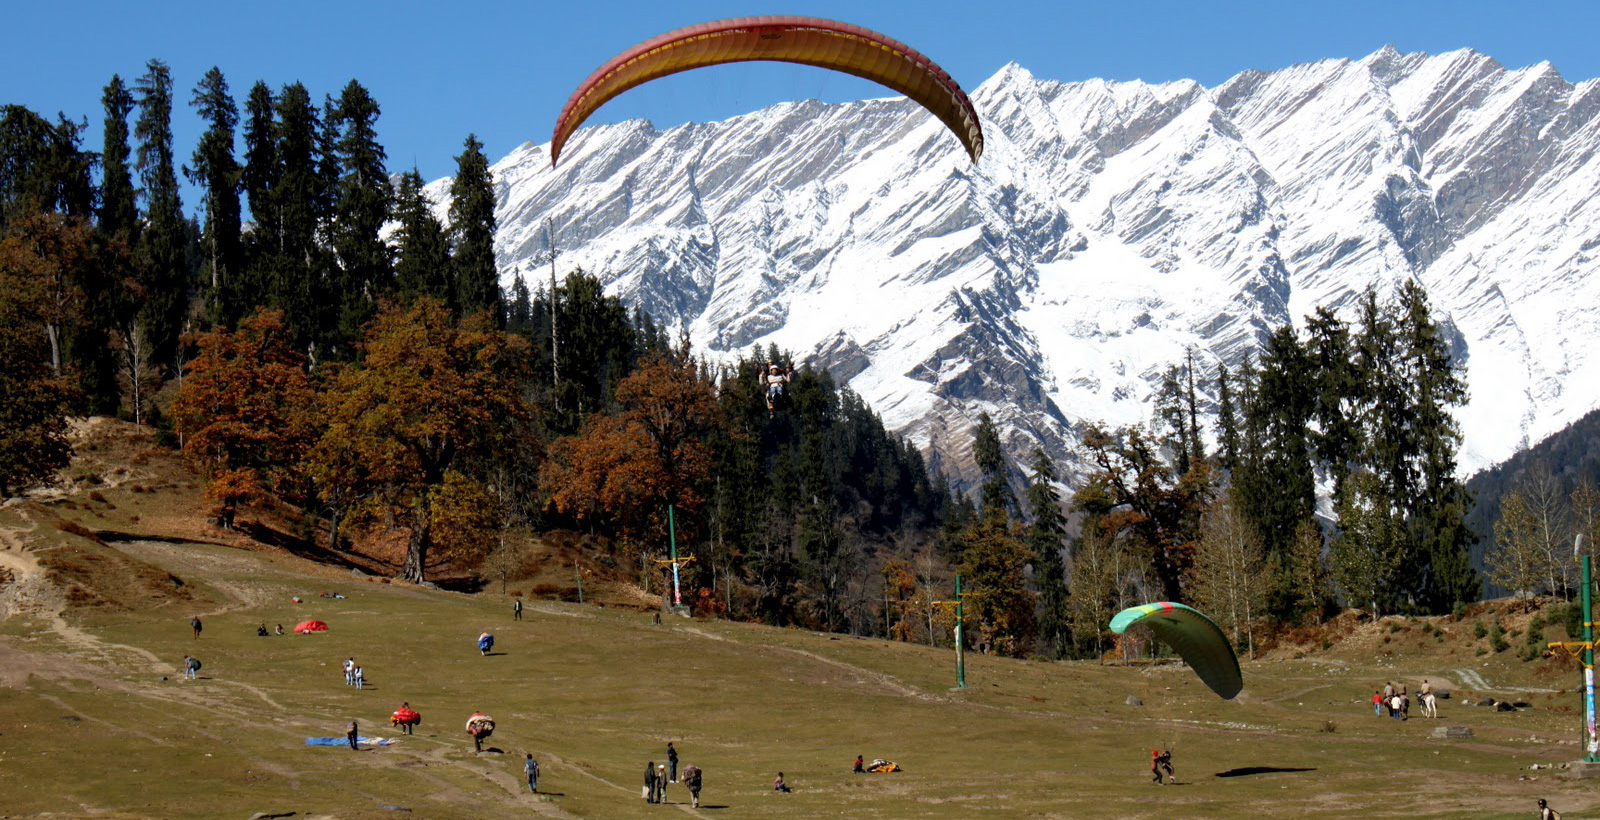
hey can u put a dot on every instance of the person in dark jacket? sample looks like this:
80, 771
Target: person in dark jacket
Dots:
672, 763
650, 782
530, 767
350, 732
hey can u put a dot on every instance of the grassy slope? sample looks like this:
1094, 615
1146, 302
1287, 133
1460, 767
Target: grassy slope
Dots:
595, 692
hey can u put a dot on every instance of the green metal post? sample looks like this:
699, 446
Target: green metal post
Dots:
577, 570
672, 536
1591, 744
961, 626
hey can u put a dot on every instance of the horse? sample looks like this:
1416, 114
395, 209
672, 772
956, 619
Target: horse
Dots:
1429, 707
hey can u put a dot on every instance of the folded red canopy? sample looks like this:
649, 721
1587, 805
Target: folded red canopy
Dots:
312, 625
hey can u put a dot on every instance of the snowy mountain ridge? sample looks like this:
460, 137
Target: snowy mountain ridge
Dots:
1109, 227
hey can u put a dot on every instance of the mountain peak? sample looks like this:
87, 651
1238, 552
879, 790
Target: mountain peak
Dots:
1109, 228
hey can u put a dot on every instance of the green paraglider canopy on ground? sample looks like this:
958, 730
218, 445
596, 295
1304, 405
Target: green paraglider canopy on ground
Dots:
1196, 639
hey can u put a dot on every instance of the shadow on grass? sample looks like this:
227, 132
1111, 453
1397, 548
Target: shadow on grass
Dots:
466, 584
1249, 770
493, 654
115, 536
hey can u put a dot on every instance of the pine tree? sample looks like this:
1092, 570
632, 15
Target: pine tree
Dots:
422, 263
1046, 533
1275, 481
1338, 390
989, 456
119, 213
42, 167
218, 175
1438, 514
261, 171
1227, 420
160, 260
298, 264
472, 227
362, 203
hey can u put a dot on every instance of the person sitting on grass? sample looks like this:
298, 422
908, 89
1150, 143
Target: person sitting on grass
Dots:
780, 786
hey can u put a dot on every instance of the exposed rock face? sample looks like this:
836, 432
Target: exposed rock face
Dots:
1109, 227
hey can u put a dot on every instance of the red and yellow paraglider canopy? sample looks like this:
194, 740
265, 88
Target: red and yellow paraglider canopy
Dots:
807, 40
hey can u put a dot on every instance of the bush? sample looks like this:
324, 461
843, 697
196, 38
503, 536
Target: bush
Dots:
1571, 616
1328, 726
1497, 637
1460, 612
1477, 629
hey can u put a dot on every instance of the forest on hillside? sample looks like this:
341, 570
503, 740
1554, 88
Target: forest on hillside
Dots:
312, 334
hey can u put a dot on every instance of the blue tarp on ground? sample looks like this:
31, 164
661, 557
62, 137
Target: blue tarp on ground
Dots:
345, 741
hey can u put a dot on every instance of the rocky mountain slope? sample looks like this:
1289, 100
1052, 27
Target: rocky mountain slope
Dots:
1109, 227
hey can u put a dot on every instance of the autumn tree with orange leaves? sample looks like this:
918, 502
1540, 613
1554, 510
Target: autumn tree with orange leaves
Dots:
429, 397
245, 411
626, 467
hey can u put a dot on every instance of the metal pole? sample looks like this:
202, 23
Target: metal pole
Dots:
1591, 745
578, 571
961, 658
672, 536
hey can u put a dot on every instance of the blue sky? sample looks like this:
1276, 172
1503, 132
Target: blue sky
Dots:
503, 70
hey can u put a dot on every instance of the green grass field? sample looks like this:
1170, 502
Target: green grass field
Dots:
102, 725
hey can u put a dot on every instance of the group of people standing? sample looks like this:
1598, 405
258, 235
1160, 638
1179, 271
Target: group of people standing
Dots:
658, 775
354, 675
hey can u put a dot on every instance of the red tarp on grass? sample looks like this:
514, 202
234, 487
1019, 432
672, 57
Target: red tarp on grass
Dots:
312, 625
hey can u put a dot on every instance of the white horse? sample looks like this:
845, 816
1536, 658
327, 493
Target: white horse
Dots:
1429, 708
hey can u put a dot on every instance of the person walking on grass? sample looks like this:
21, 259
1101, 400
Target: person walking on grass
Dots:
350, 733
692, 779
1547, 813
530, 767
359, 677
516, 609
194, 623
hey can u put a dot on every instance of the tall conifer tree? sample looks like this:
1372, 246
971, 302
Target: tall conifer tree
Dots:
1046, 534
472, 227
422, 263
362, 202
217, 172
160, 260
119, 214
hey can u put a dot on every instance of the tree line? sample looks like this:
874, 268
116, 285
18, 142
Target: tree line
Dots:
1359, 407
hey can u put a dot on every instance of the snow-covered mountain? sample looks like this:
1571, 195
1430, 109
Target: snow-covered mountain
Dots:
1108, 227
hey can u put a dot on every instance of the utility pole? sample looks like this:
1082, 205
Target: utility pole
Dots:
555, 346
